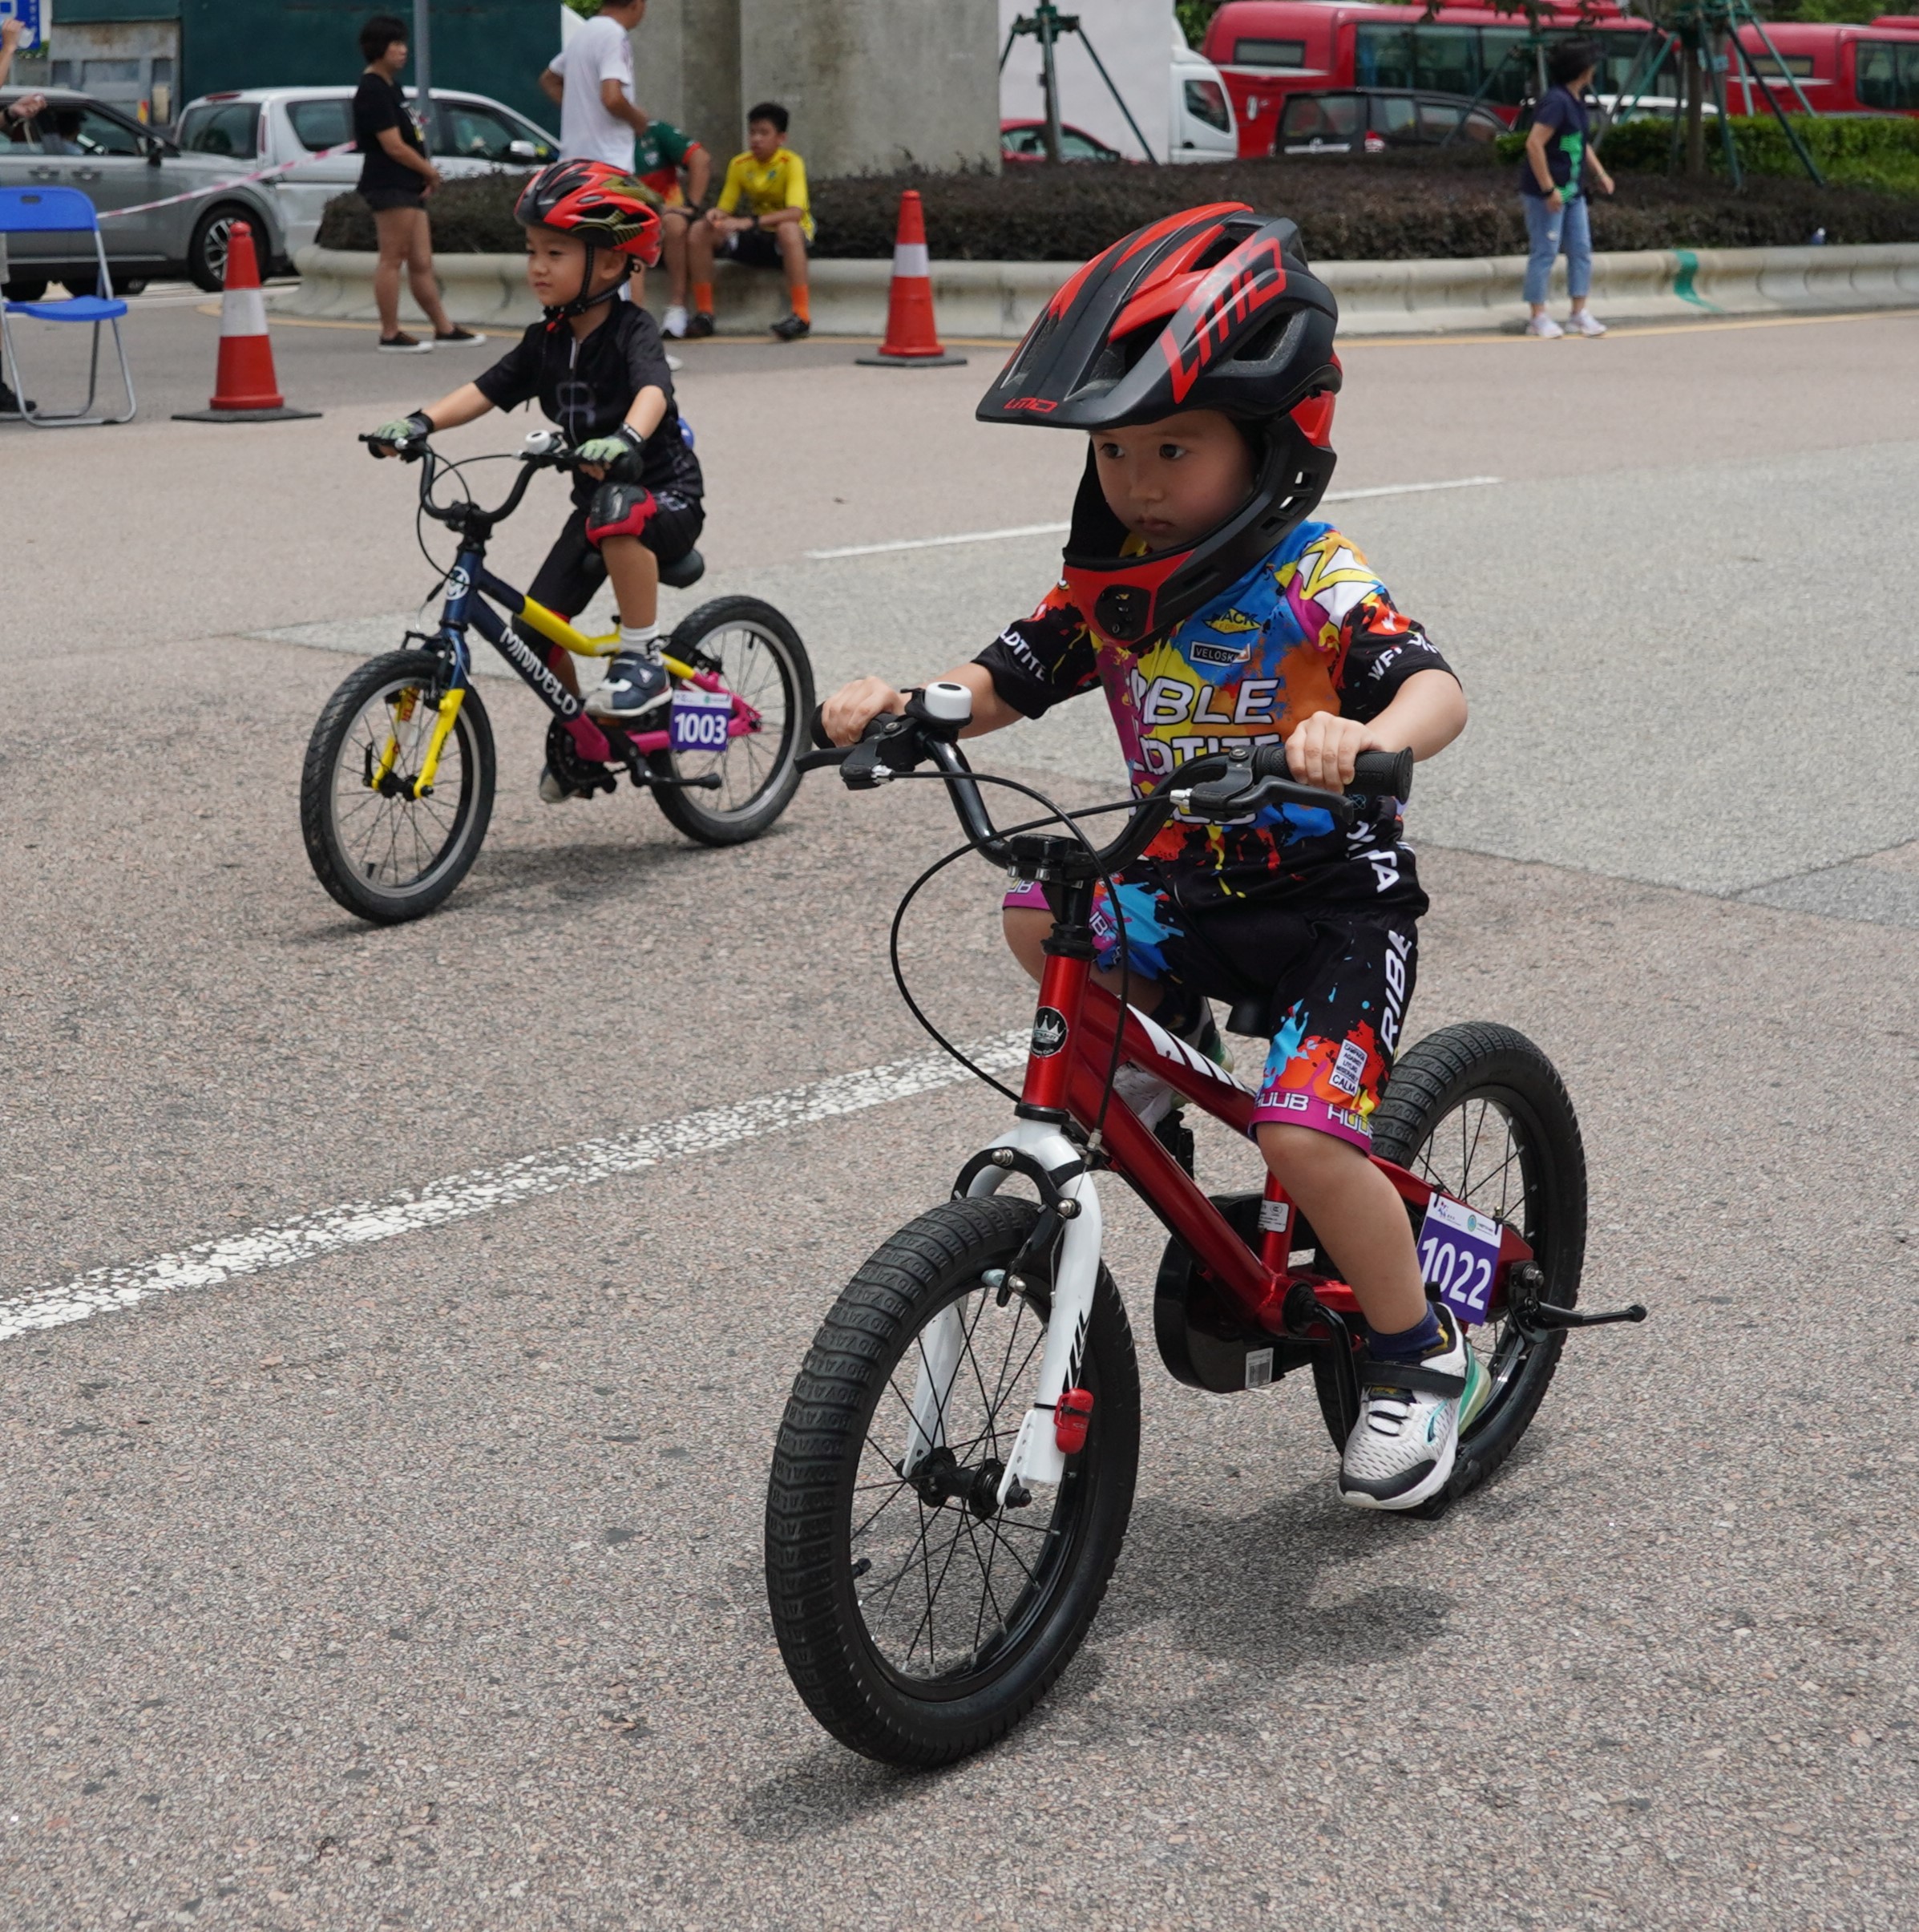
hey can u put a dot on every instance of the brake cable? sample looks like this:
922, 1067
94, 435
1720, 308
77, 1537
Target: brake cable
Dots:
1057, 814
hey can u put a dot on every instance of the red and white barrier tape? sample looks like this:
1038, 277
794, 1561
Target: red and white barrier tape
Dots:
219, 188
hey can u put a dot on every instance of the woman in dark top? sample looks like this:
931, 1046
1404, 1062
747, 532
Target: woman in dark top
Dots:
1558, 156
395, 179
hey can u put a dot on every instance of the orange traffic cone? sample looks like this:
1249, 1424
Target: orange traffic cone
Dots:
912, 342
245, 390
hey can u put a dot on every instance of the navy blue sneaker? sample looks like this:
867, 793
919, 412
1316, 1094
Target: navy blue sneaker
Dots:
636, 680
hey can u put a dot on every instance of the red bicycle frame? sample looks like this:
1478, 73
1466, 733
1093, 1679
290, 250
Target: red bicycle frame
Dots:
1070, 1076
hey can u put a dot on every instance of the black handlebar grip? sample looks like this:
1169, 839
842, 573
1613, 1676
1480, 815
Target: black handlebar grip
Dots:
1375, 774
1383, 775
816, 727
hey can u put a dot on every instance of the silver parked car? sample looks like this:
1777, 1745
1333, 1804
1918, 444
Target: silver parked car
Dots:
78, 142
288, 127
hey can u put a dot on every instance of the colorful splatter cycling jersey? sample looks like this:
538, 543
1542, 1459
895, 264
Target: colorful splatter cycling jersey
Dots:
1309, 629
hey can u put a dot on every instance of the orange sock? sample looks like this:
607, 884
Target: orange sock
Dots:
802, 302
702, 298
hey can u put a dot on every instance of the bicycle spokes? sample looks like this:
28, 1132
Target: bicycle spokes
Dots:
942, 1572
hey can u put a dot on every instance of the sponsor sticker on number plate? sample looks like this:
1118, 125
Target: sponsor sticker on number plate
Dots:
1459, 1251
700, 719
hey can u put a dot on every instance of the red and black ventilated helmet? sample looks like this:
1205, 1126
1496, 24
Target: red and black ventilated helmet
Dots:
602, 204
1212, 309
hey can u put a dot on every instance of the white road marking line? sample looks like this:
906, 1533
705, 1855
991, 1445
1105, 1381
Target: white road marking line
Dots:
994, 536
483, 1190
936, 542
1456, 482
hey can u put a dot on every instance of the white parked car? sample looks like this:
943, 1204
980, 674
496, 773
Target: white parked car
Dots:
264, 127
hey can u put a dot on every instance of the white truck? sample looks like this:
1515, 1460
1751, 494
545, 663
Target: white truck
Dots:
1175, 96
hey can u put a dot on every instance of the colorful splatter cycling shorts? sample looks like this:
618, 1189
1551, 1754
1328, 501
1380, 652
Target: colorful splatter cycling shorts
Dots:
1344, 966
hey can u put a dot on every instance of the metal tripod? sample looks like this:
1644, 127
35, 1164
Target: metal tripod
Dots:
1046, 23
1697, 31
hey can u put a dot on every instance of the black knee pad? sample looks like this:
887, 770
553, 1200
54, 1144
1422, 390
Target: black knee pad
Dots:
618, 509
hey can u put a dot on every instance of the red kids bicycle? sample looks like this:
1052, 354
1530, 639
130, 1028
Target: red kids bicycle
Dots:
954, 1468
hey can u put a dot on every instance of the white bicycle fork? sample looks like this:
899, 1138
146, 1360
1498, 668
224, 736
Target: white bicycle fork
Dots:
1036, 1456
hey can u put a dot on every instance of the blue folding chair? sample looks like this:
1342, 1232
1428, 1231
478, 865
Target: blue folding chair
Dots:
62, 211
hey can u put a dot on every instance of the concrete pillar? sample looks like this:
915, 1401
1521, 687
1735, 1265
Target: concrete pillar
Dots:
872, 85
686, 70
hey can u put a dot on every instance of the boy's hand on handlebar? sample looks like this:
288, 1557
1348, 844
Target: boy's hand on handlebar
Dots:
390, 437
1322, 749
848, 712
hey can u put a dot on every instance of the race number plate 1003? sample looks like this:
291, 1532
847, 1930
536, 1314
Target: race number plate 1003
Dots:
1459, 1251
700, 719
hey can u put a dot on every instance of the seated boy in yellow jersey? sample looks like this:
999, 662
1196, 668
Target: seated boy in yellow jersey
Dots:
771, 231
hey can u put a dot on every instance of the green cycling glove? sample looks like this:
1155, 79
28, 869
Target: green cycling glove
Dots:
402, 430
619, 453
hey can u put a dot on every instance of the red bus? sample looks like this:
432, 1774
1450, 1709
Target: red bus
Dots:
1841, 69
1268, 49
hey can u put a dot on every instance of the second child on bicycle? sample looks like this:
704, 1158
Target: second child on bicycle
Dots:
599, 369
1197, 356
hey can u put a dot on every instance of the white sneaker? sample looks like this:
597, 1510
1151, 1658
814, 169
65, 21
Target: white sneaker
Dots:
674, 362
1147, 1095
1401, 1450
1587, 323
1544, 326
673, 322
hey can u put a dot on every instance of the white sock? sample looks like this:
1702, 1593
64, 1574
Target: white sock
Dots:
640, 637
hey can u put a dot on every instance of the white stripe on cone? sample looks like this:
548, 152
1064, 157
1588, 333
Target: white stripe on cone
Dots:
911, 258
243, 312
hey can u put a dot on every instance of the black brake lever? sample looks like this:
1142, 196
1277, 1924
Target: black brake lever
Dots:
1232, 797
891, 745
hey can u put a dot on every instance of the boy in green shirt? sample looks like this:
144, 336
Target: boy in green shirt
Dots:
771, 230
661, 157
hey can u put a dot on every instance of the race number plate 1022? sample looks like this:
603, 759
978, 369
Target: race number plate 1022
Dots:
1459, 1252
700, 719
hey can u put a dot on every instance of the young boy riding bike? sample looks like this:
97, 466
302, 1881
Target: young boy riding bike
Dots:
1197, 354
599, 368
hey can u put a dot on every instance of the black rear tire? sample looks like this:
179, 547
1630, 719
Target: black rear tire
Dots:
759, 654
920, 1688
1480, 1111
390, 858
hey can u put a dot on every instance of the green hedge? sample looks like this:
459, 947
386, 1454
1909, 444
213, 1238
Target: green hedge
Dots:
1377, 209
1879, 153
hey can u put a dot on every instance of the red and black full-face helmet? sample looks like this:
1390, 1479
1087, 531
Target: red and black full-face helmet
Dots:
604, 205
1212, 309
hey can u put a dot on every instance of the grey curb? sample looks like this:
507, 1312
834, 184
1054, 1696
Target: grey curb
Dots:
997, 300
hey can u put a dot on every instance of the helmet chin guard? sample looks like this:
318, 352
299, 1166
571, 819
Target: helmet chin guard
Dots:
1127, 599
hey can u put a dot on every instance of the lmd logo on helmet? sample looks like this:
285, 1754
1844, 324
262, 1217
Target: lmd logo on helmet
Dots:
1049, 1032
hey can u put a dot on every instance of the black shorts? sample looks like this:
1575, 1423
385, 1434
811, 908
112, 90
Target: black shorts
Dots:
755, 248
574, 569
1338, 952
380, 200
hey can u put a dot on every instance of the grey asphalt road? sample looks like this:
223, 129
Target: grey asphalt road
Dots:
417, 1584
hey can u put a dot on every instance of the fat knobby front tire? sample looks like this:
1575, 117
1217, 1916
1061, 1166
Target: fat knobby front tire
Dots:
918, 1617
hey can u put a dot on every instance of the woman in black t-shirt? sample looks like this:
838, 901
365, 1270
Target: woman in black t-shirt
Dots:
395, 179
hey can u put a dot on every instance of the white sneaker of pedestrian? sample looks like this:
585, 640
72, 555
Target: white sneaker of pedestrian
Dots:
675, 362
673, 322
1588, 324
1544, 326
